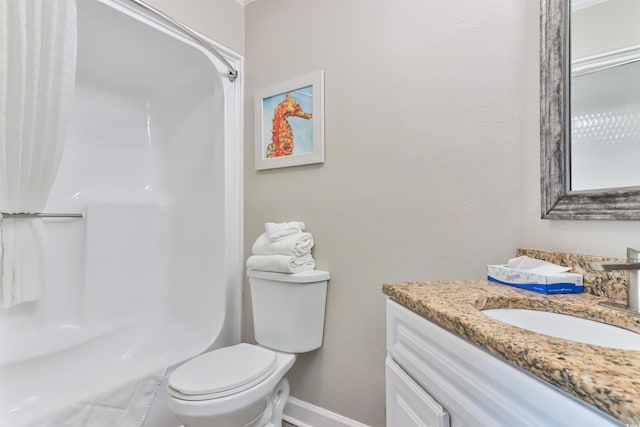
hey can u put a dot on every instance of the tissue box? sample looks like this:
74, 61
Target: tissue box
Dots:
557, 283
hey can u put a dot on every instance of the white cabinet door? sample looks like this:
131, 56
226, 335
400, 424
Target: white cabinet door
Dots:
408, 405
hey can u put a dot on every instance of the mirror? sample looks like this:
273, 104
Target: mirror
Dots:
605, 94
590, 107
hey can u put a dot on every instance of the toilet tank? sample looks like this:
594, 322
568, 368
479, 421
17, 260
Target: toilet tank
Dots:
288, 309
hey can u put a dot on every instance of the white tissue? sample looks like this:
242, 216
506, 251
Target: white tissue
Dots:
535, 266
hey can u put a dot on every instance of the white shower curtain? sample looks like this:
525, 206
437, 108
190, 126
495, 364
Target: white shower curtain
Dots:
38, 41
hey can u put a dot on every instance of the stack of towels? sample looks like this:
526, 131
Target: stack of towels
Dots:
283, 248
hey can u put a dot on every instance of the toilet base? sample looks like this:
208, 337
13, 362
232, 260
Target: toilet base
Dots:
272, 415
269, 416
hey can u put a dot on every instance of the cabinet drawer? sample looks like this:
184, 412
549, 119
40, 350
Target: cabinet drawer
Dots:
408, 405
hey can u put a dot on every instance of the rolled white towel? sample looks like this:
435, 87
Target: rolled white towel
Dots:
280, 230
281, 263
298, 244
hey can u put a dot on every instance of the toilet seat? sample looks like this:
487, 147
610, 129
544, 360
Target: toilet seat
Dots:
222, 372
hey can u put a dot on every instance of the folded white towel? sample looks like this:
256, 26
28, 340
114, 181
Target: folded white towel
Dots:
298, 244
280, 230
281, 263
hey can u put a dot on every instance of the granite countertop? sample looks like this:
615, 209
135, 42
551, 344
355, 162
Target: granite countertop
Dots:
604, 377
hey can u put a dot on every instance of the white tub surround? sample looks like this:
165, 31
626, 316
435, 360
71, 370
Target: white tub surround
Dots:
151, 276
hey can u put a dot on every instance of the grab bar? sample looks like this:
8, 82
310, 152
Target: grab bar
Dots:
233, 73
41, 215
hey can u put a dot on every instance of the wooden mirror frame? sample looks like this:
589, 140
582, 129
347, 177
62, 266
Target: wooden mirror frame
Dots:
558, 202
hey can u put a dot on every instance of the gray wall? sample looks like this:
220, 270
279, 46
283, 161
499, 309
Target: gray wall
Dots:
221, 20
422, 179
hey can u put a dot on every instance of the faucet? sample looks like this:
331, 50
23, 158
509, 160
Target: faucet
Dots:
632, 265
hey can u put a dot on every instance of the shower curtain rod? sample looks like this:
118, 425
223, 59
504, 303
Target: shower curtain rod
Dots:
41, 215
232, 74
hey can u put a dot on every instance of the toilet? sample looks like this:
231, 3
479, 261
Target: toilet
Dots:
244, 385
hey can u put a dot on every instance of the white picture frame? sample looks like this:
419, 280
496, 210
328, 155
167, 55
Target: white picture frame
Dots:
289, 122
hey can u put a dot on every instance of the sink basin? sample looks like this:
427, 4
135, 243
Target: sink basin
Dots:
568, 327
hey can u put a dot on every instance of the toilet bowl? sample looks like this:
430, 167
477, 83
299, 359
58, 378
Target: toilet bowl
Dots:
233, 390
244, 385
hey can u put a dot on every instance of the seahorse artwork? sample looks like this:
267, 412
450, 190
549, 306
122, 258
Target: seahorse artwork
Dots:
281, 133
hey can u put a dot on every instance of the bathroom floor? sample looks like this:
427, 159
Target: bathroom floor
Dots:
286, 424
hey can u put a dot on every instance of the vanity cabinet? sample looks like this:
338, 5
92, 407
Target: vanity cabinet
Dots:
436, 378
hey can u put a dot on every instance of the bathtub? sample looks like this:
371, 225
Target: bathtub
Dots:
151, 276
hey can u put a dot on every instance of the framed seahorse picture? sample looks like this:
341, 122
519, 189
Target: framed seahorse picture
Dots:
289, 122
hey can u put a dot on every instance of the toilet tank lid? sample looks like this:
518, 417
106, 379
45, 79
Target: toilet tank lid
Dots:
303, 277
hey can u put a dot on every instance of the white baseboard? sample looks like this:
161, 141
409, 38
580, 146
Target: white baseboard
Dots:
304, 414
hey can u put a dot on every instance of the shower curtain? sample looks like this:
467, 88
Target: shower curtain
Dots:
38, 41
